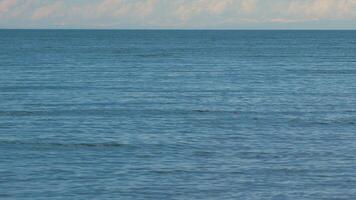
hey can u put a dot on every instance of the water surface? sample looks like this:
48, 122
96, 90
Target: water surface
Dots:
88, 114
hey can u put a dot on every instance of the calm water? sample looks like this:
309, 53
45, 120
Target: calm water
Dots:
177, 115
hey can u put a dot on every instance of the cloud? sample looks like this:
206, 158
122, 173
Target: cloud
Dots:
145, 8
249, 5
48, 10
172, 13
5, 5
118, 8
311, 10
196, 8
322, 9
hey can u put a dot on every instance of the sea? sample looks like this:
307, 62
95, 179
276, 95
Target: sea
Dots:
177, 114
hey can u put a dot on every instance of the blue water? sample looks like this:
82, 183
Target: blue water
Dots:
254, 115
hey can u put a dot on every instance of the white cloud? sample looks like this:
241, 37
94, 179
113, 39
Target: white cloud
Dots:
323, 8
187, 10
5, 5
48, 10
181, 13
249, 5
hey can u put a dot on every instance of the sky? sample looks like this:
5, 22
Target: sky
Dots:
179, 14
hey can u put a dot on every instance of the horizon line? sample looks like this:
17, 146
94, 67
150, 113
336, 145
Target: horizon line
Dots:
181, 29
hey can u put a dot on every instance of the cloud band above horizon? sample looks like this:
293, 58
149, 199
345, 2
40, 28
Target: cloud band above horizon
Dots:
175, 14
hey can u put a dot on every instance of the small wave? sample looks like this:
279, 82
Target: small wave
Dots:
40, 87
192, 171
323, 122
62, 144
153, 55
337, 122
325, 71
100, 112
125, 112
16, 113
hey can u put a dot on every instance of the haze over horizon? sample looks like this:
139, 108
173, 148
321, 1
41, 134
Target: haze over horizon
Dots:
179, 14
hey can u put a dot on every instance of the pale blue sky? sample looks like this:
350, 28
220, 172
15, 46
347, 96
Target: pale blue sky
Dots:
177, 14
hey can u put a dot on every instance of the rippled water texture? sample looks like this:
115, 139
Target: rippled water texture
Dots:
177, 115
